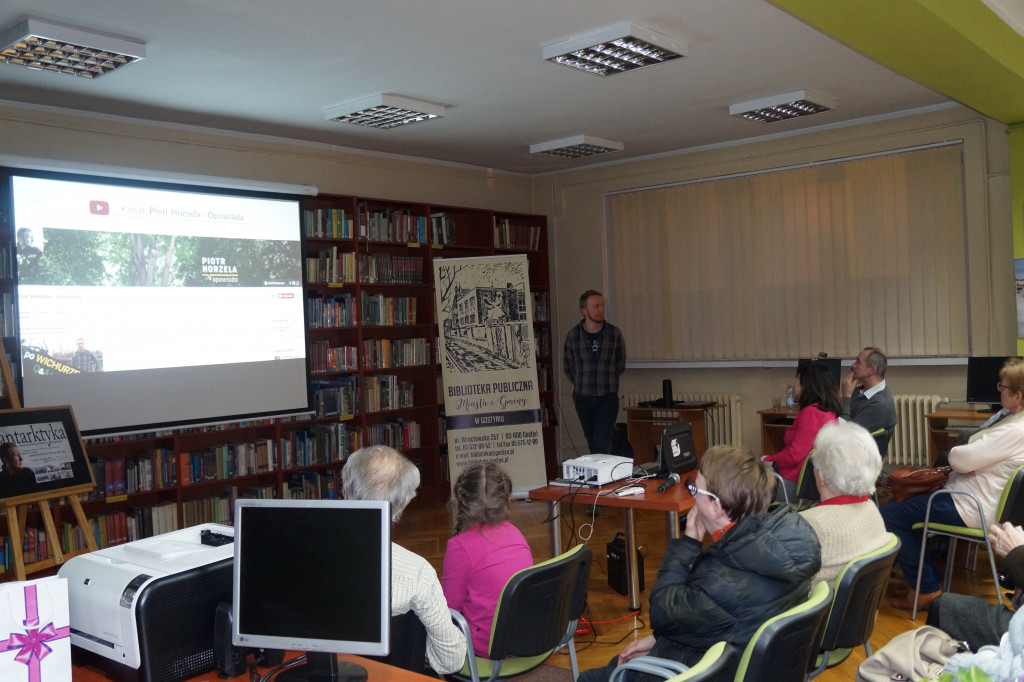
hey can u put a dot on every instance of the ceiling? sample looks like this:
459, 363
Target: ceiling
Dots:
271, 68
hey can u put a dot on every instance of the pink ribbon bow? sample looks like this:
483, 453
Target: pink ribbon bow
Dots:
32, 646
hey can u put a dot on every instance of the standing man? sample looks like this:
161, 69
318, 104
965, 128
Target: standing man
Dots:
593, 358
84, 360
866, 400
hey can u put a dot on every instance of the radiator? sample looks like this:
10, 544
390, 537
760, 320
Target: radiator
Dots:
723, 425
909, 443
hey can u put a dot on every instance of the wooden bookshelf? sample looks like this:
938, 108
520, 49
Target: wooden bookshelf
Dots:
373, 344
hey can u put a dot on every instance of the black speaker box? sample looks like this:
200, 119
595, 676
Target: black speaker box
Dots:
618, 577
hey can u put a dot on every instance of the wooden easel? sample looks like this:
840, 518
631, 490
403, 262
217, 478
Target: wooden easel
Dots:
16, 509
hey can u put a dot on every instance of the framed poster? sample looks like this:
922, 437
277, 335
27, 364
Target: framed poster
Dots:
41, 455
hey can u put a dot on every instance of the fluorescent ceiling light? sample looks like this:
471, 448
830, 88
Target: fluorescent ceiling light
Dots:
783, 107
616, 49
62, 49
384, 111
576, 147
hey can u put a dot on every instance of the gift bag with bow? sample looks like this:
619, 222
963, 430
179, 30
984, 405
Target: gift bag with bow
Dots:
35, 638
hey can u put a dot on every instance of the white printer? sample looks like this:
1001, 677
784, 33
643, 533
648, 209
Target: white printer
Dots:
149, 605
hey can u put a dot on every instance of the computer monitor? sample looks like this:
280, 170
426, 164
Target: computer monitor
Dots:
313, 576
835, 366
982, 377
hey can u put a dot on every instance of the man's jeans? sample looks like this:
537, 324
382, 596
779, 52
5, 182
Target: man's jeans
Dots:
597, 416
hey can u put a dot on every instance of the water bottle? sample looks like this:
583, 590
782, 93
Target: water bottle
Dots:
790, 400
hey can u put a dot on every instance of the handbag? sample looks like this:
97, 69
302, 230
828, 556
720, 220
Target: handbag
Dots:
909, 481
913, 655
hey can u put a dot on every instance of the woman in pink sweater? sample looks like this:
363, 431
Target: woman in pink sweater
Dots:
817, 394
485, 551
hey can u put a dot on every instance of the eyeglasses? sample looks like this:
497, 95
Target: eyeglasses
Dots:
694, 490
1000, 386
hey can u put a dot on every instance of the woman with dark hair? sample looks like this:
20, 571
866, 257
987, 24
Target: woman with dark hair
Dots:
817, 394
486, 549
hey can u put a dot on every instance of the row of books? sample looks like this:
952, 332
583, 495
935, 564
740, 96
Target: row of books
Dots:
401, 435
542, 338
328, 222
324, 358
391, 225
387, 311
544, 378
321, 444
442, 229
6, 261
230, 460
331, 267
387, 392
384, 353
311, 485
541, 309
8, 315
337, 397
509, 236
385, 268
333, 312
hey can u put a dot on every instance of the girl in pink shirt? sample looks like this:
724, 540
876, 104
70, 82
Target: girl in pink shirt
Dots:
486, 550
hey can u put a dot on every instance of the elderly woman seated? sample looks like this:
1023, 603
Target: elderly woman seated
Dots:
846, 466
981, 467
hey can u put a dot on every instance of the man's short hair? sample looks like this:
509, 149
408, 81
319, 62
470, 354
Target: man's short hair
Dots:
876, 358
378, 472
847, 457
587, 294
743, 483
6, 448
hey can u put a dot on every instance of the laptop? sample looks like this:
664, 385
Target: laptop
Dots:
678, 454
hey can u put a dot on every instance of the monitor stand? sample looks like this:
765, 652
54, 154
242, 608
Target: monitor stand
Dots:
991, 409
323, 667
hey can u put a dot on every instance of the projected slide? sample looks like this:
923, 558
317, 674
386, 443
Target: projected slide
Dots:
143, 281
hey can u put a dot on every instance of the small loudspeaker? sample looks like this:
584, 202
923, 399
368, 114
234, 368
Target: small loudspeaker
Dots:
666, 392
230, 658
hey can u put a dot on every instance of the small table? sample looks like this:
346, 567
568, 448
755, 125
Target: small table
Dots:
940, 437
673, 501
645, 424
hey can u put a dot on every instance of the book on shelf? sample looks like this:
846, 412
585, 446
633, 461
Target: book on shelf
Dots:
387, 392
311, 485
508, 235
330, 312
327, 223
336, 397
386, 353
442, 229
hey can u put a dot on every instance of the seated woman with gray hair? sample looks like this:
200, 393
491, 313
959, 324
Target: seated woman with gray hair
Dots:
848, 524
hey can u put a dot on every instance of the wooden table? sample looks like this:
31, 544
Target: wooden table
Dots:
376, 672
645, 424
774, 422
673, 501
940, 436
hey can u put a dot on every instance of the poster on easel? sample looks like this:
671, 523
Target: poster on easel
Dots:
489, 366
42, 455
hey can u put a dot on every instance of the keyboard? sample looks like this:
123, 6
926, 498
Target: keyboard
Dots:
680, 404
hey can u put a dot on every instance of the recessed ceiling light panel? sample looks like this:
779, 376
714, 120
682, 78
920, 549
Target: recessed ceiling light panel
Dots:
62, 49
783, 107
384, 111
576, 147
620, 48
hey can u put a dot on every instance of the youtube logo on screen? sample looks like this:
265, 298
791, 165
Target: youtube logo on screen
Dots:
99, 207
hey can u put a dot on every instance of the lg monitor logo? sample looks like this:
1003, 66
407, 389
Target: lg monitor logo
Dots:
99, 207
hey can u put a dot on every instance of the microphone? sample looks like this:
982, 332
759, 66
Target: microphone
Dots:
669, 482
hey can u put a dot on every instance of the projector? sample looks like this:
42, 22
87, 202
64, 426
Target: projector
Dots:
597, 469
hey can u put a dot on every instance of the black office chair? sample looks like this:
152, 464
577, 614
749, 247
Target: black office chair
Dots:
407, 644
784, 648
536, 615
859, 591
718, 663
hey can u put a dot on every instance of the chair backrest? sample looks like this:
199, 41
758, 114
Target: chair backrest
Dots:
859, 591
408, 643
718, 663
537, 604
882, 438
784, 648
1011, 503
806, 485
